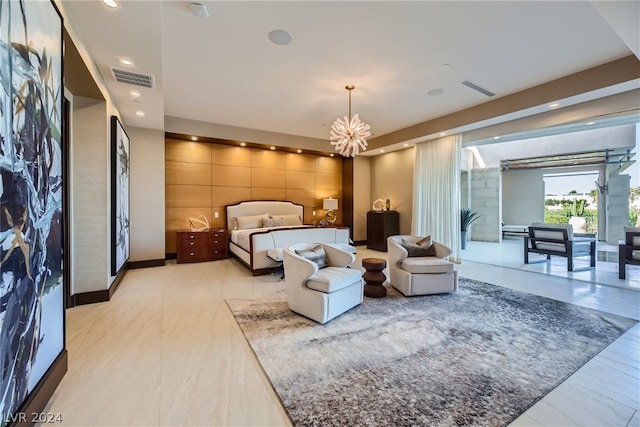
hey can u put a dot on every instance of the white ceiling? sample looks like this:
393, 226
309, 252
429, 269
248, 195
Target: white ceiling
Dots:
223, 69
575, 142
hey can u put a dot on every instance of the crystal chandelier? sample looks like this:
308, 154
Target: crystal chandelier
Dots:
349, 134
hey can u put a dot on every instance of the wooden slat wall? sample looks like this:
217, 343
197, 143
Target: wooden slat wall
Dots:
202, 178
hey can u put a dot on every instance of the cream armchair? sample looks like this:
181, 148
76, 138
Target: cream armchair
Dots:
321, 293
421, 275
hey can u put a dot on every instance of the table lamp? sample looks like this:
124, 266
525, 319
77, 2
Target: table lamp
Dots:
331, 205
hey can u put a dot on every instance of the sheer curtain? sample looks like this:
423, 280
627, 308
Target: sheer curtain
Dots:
436, 192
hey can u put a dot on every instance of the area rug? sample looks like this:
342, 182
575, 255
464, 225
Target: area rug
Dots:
480, 356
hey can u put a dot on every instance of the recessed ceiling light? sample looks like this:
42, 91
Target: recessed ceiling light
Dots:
496, 137
331, 155
272, 148
405, 145
140, 113
111, 3
280, 37
126, 61
194, 138
443, 134
243, 144
435, 92
135, 93
298, 151
554, 105
381, 150
591, 123
446, 65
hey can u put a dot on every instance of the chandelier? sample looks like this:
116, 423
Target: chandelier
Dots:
349, 135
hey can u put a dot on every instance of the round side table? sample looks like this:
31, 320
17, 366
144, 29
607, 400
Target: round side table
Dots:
374, 277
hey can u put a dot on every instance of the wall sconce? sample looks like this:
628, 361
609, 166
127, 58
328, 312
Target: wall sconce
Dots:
331, 205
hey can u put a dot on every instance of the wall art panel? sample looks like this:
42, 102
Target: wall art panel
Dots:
31, 276
119, 196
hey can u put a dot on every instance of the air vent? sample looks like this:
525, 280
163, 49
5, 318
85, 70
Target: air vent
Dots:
475, 87
135, 79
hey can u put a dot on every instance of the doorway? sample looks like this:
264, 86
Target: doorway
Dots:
572, 198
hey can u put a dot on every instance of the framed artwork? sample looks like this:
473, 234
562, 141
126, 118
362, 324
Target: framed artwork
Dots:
119, 196
31, 192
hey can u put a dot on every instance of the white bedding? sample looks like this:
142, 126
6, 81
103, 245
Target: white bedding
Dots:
242, 238
252, 245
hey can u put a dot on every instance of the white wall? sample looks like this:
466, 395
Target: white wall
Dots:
392, 178
522, 197
147, 194
90, 223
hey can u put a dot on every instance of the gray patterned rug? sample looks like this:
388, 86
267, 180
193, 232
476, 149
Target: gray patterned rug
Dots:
481, 356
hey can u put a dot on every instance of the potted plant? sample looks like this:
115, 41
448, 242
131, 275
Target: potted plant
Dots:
467, 217
577, 220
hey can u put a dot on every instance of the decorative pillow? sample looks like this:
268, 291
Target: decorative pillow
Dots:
416, 250
288, 219
315, 254
253, 221
272, 222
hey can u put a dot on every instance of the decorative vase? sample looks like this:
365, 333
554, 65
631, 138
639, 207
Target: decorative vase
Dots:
463, 239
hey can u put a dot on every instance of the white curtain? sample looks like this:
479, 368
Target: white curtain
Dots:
436, 192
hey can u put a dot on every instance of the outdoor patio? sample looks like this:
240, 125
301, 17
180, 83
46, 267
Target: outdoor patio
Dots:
510, 253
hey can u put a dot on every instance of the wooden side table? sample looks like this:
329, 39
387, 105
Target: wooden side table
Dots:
374, 277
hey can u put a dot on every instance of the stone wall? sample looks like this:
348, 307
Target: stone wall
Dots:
486, 198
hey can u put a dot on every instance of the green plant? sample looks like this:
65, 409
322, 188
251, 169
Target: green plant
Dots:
577, 209
467, 217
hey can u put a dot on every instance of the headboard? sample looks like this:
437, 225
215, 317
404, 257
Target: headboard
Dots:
258, 207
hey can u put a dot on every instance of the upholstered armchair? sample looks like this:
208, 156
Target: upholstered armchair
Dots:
321, 292
420, 275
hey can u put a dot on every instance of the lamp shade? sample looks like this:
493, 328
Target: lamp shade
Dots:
330, 204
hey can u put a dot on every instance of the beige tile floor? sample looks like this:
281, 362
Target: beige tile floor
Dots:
166, 351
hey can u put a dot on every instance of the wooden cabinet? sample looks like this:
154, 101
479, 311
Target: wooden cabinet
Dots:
198, 246
381, 225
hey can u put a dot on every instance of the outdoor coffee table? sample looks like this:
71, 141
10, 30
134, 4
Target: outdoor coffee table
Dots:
374, 277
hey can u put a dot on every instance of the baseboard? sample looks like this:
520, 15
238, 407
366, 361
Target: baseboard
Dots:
32, 410
92, 297
104, 295
145, 264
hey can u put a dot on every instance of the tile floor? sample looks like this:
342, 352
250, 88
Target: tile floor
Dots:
166, 351
510, 253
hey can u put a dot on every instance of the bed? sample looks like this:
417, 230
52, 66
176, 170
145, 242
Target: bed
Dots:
259, 230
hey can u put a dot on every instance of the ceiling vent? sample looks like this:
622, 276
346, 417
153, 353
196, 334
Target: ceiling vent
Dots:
475, 87
135, 79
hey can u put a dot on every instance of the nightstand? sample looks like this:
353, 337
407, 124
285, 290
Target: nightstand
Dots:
199, 246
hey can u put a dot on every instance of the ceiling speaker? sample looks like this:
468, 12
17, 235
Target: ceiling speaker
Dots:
200, 10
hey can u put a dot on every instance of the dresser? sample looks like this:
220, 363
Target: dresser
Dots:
198, 246
380, 225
